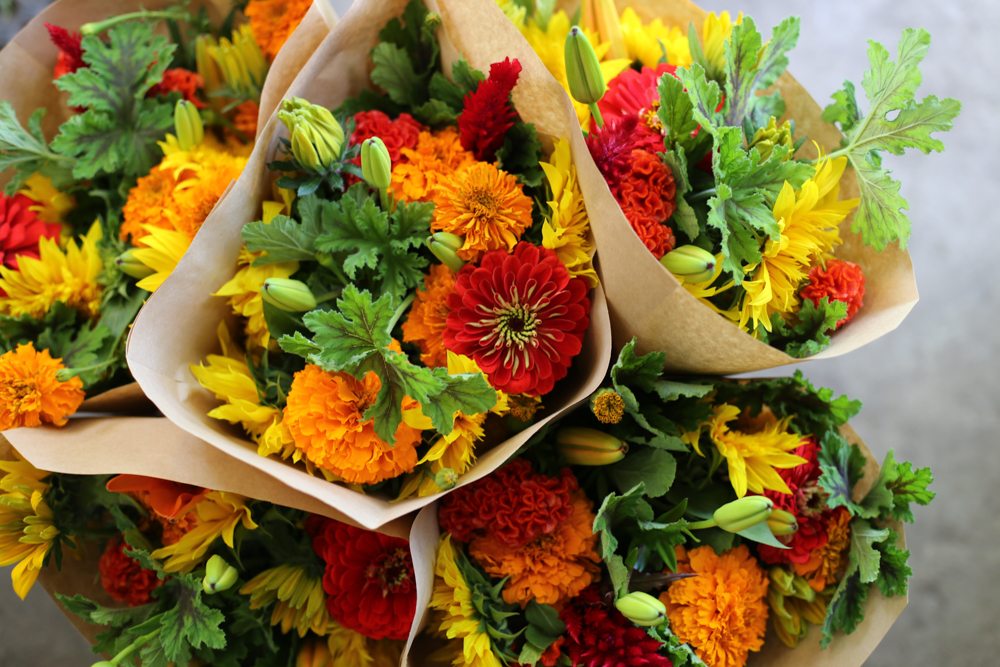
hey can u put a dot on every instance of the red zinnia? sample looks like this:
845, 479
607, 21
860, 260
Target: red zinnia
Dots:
21, 229
840, 281
598, 635
634, 93
70, 50
520, 316
184, 81
515, 505
123, 578
487, 113
369, 580
397, 134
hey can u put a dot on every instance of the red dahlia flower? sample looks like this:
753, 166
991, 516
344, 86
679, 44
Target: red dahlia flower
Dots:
70, 50
368, 581
597, 635
397, 134
184, 81
123, 578
487, 113
21, 229
520, 316
840, 281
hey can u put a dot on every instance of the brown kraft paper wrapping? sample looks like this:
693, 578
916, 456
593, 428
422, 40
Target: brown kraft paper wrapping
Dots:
648, 303
160, 359
26, 65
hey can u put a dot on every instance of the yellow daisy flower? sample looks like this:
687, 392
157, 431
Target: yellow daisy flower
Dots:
53, 205
567, 228
161, 250
217, 515
650, 42
298, 599
714, 33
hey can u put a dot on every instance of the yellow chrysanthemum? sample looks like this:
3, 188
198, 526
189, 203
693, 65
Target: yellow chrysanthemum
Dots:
27, 530
244, 292
752, 456
161, 250
650, 43
53, 205
68, 275
714, 33
809, 224
460, 620
297, 596
566, 230
217, 515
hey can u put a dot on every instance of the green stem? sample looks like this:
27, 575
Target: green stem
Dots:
100, 26
701, 195
702, 525
65, 374
131, 648
399, 312
328, 296
386, 202
595, 111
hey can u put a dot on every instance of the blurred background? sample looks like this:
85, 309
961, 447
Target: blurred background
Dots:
931, 389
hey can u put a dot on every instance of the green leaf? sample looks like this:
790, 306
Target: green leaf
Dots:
897, 487
895, 122
846, 608
285, 239
545, 618
638, 371
521, 154
434, 113
654, 468
684, 216
894, 572
704, 96
841, 465
676, 115
92, 612
807, 332
752, 67
118, 131
393, 72
26, 151
864, 555
762, 534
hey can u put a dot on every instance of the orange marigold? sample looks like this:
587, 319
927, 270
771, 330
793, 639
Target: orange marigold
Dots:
245, 119
435, 159
324, 414
147, 200
273, 21
30, 392
824, 564
486, 206
722, 612
550, 569
425, 323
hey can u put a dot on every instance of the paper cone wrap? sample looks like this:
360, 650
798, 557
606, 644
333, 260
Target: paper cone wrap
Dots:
648, 303
178, 326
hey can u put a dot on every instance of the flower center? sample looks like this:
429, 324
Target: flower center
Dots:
517, 325
811, 500
392, 572
481, 202
651, 119
20, 392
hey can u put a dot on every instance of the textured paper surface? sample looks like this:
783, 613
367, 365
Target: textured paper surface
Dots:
647, 302
178, 325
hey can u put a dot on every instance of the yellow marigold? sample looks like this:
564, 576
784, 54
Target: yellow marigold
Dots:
722, 612
486, 206
551, 569
30, 391
273, 22
824, 564
425, 322
216, 515
68, 275
298, 599
52, 205
243, 290
567, 227
652, 43
752, 456
434, 160
324, 414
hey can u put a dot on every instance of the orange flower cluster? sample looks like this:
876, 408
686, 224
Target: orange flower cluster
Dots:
31, 394
425, 323
824, 564
273, 22
434, 161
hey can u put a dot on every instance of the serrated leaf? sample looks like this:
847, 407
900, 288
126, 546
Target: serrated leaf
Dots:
704, 95
26, 151
841, 466
846, 608
676, 115
752, 66
521, 154
684, 216
864, 556
285, 239
894, 571
807, 332
654, 468
393, 72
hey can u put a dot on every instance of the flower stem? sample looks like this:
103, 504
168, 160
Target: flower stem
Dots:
66, 374
399, 312
96, 27
701, 195
702, 525
131, 648
596, 113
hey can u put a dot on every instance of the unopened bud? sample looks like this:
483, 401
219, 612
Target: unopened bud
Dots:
187, 125
766, 138
744, 513
583, 69
288, 294
442, 245
316, 136
130, 266
589, 447
376, 165
782, 522
446, 478
601, 16
690, 263
219, 575
641, 608
608, 406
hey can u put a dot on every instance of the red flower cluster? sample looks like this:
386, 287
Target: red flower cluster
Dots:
21, 229
123, 578
70, 50
397, 134
520, 316
487, 113
597, 635
184, 81
634, 94
515, 505
839, 281
368, 581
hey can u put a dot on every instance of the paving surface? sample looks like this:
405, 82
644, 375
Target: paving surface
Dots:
931, 389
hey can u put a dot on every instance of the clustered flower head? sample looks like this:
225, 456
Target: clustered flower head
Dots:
123, 578
487, 113
31, 393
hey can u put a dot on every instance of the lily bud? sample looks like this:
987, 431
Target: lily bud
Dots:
288, 294
782, 580
187, 125
589, 447
690, 263
766, 138
104, 663
782, 523
376, 165
219, 575
130, 266
316, 136
641, 608
601, 16
442, 245
583, 69
744, 513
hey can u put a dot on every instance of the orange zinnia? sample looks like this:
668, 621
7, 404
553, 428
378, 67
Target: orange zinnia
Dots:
824, 563
722, 612
486, 206
31, 394
325, 416
549, 569
426, 322
435, 159
273, 21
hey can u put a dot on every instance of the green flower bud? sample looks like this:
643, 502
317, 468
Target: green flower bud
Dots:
782, 523
376, 165
442, 247
219, 575
781, 580
583, 69
589, 447
744, 513
448, 240
187, 125
288, 294
446, 478
766, 138
641, 608
104, 663
689, 263
130, 266
315, 135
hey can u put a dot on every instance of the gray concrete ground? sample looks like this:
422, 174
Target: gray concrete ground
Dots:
930, 389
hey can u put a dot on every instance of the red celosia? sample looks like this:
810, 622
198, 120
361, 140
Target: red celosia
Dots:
369, 581
123, 578
520, 316
611, 146
487, 113
598, 635
515, 505
646, 193
397, 134
21, 229
634, 93
184, 81
840, 281
70, 50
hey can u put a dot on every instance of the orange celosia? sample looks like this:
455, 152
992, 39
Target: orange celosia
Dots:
425, 323
324, 414
552, 568
824, 564
722, 612
435, 160
486, 206
273, 21
31, 393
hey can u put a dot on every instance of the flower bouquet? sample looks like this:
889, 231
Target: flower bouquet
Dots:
678, 523
118, 133
755, 223
398, 291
